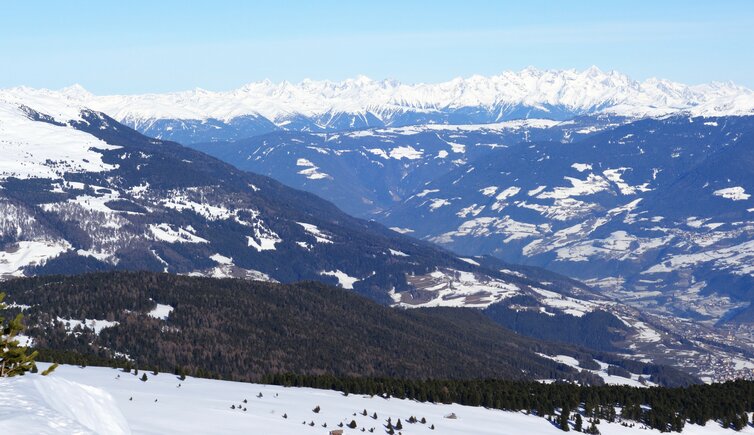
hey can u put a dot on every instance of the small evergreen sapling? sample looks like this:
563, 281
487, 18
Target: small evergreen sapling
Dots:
13, 357
50, 369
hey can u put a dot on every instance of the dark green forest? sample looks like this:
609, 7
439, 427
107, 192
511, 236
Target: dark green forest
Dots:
244, 330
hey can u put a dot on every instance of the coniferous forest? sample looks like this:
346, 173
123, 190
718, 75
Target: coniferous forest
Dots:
244, 330
313, 335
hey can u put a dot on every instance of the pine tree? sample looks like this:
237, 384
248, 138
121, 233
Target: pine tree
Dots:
13, 357
578, 425
563, 420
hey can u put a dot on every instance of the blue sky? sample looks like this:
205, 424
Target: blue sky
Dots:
154, 46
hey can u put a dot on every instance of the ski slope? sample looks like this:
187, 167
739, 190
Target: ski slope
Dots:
90, 400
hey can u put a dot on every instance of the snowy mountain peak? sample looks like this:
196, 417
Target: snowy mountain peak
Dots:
561, 93
76, 91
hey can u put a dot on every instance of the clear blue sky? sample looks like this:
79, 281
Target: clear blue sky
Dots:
160, 45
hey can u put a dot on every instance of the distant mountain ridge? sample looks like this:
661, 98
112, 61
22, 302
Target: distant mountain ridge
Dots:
200, 115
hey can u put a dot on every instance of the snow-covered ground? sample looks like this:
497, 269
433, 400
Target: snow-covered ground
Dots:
31, 149
346, 281
108, 401
454, 288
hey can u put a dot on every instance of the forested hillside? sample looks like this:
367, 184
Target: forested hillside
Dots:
243, 330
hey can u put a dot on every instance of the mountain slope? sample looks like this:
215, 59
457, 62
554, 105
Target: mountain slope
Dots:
369, 171
647, 209
120, 403
115, 199
246, 330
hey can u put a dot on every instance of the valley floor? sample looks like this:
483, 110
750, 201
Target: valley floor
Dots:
109, 401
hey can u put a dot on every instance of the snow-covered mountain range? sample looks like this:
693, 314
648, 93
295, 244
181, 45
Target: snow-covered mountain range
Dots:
591, 90
200, 115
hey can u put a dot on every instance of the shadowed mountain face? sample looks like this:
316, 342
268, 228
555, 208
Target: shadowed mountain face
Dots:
656, 210
654, 213
642, 209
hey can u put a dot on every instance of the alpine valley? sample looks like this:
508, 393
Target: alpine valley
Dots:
578, 207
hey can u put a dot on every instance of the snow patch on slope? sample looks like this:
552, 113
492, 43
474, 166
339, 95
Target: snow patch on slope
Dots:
454, 288
733, 193
95, 325
14, 258
311, 170
318, 234
161, 311
167, 233
344, 279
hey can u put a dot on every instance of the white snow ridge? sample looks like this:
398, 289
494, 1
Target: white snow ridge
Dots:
591, 90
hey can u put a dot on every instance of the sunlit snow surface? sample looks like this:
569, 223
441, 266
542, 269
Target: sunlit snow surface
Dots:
736, 193
633, 381
28, 253
161, 311
579, 91
32, 149
94, 324
107, 401
343, 278
454, 288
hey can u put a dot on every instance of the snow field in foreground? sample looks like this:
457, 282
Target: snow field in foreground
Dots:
77, 400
